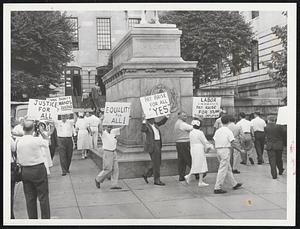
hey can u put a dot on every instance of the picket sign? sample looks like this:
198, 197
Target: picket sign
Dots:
282, 116
206, 107
64, 104
116, 113
156, 105
42, 110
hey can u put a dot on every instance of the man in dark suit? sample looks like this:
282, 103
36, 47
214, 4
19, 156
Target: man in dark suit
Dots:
274, 145
153, 145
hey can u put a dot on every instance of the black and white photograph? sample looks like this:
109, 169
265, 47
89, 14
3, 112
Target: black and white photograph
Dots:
149, 114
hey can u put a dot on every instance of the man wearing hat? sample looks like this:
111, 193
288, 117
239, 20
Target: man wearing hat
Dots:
259, 136
274, 145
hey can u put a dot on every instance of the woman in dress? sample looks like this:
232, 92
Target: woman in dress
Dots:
199, 145
83, 135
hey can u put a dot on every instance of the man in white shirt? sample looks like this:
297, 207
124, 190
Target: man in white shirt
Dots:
34, 174
94, 123
218, 122
224, 140
181, 131
64, 129
110, 160
259, 136
246, 140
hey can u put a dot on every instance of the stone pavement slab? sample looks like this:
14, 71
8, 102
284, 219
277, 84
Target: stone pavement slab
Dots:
75, 196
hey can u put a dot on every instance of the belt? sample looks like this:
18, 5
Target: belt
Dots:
109, 150
64, 137
27, 166
247, 133
261, 131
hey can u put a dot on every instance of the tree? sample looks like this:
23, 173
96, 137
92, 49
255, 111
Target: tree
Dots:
41, 45
278, 63
216, 39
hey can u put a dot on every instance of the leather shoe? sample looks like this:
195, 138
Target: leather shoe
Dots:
251, 161
146, 179
243, 163
97, 183
219, 191
159, 183
238, 185
281, 172
63, 174
116, 187
197, 176
181, 179
235, 171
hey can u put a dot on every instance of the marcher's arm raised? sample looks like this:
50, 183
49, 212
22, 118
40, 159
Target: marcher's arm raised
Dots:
162, 122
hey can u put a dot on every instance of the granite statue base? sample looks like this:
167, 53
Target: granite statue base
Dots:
133, 161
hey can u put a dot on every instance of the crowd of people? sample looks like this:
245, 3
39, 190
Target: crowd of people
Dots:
34, 144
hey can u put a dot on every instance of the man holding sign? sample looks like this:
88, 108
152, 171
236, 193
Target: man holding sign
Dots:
110, 161
154, 106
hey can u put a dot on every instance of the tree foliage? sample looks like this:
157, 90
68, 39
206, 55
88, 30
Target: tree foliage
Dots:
211, 38
278, 63
41, 45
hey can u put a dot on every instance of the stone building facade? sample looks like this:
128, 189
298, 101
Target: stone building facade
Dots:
253, 88
97, 33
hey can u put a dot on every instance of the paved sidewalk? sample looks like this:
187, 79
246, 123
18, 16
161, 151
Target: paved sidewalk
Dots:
75, 196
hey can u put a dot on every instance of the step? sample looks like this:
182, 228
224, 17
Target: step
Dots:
134, 162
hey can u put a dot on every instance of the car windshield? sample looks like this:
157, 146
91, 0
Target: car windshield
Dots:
21, 113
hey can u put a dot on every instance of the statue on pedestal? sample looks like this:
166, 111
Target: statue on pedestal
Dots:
143, 17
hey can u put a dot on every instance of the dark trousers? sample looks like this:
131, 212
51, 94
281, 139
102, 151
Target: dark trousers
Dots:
52, 151
65, 150
35, 185
155, 156
259, 142
184, 157
12, 196
275, 160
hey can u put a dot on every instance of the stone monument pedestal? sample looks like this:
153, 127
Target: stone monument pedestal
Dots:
147, 61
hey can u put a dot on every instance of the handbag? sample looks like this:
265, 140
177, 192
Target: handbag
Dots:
16, 169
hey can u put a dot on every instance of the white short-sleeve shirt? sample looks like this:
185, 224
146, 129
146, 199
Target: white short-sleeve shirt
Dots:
258, 124
223, 137
245, 125
109, 140
29, 150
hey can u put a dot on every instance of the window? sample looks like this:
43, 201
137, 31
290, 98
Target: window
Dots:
254, 56
75, 40
254, 14
103, 34
133, 21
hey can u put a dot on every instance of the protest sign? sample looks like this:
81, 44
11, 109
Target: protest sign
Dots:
206, 107
116, 113
156, 105
42, 110
64, 104
282, 116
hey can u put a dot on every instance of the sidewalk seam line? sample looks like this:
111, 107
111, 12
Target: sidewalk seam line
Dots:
153, 215
75, 197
